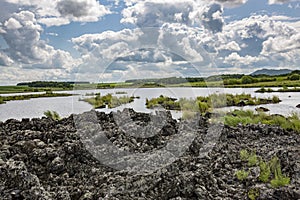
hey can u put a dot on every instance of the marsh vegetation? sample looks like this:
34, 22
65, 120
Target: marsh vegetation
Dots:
283, 89
203, 104
108, 100
4, 99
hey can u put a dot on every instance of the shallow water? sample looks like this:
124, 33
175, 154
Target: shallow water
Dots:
68, 105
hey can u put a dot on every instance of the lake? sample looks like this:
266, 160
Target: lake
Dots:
67, 105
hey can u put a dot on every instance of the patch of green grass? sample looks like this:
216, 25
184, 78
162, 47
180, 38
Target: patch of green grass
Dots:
248, 117
203, 104
265, 171
253, 193
279, 179
242, 174
111, 101
52, 114
118, 101
280, 182
252, 159
244, 154
234, 120
166, 102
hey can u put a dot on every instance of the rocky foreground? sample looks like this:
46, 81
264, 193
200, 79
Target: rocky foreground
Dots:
47, 159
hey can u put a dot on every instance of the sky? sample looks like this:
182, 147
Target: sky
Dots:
114, 40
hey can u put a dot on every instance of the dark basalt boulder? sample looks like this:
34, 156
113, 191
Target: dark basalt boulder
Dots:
262, 109
241, 104
298, 106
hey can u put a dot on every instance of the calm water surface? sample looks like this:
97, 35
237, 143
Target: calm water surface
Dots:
68, 105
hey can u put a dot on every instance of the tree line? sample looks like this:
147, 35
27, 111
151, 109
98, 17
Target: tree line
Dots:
53, 84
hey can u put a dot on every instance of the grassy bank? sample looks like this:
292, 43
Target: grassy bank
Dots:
4, 99
25, 89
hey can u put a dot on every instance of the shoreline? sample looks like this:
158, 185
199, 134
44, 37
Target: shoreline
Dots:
4, 99
123, 85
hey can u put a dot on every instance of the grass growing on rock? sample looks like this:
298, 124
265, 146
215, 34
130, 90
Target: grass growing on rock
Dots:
252, 160
267, 169
52, 115
250, 157
236, 117
242, 174
279, 179
253, 193
244, 155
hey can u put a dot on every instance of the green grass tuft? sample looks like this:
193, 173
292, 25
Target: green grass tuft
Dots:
252, 160
242, 174
265, 171
279, 179
244, 155
253, 193
52, 114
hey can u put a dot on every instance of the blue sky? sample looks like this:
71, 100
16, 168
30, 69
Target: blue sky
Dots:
100, 41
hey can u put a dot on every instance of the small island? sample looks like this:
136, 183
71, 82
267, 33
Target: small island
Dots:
203, 104
284, 89
108, 100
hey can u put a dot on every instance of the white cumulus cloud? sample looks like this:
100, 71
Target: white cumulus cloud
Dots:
61, 12
155, 13
278, 1
22, 34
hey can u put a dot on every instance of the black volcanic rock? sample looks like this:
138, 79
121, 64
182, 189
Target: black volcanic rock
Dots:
262, 109
47, 159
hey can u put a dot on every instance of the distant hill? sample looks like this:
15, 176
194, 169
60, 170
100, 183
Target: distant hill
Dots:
271, 72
